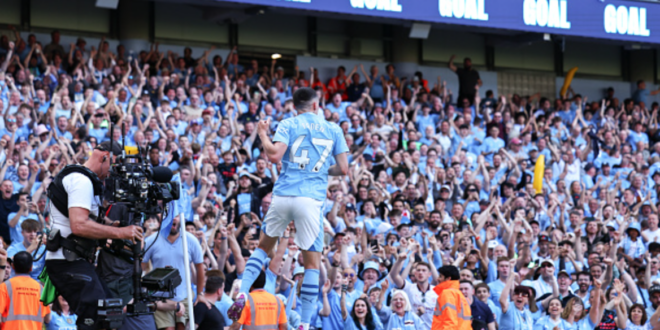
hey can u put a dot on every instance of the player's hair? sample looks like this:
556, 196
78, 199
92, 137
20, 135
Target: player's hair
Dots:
303, 98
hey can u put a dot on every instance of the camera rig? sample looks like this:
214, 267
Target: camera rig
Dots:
135, 183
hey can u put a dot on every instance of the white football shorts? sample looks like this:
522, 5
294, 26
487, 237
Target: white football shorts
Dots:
305, 212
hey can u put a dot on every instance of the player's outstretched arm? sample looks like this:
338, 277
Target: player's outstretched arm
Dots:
341, 168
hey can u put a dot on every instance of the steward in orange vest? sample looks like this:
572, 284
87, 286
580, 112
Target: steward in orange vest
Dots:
263, 310
452, 310
20, 298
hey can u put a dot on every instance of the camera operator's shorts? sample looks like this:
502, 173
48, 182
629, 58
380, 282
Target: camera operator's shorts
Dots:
169, 319
307, 215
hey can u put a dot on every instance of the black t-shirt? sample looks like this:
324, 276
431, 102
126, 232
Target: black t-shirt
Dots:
248, 118
153, 94
207, 318
227, 171
607, 321
467, 79
354, 92
7, 206
481, 314
264, 180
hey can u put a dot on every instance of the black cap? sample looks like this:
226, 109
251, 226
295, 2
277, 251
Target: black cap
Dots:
350, 206
339, 234
109, 146
654, 289
545, 238
527, 289
654, 246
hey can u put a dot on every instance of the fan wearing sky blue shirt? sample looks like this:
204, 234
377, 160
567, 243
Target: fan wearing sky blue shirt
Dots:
637, 135
30, 230
27, 210
61, 128
492, 144
168, 251
100, 133
303, 144
642, 93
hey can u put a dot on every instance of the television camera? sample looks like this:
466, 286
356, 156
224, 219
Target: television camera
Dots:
143, 189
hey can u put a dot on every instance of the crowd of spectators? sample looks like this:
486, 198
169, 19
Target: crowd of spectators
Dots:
434, 180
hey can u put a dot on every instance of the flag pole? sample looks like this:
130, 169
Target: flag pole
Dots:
186, 261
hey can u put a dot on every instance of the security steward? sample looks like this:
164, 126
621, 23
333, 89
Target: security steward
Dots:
452, 310
20, 298
72, 244
263, 311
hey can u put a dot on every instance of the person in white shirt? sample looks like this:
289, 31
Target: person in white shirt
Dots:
652, 233
569, 167
421, 294
546, 281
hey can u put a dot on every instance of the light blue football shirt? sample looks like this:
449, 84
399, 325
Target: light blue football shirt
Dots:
311, 141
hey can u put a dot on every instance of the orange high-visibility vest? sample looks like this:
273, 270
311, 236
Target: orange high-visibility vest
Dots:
451, 309
264, 311
20, 304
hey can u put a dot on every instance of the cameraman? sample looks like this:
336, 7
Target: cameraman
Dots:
72, 243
